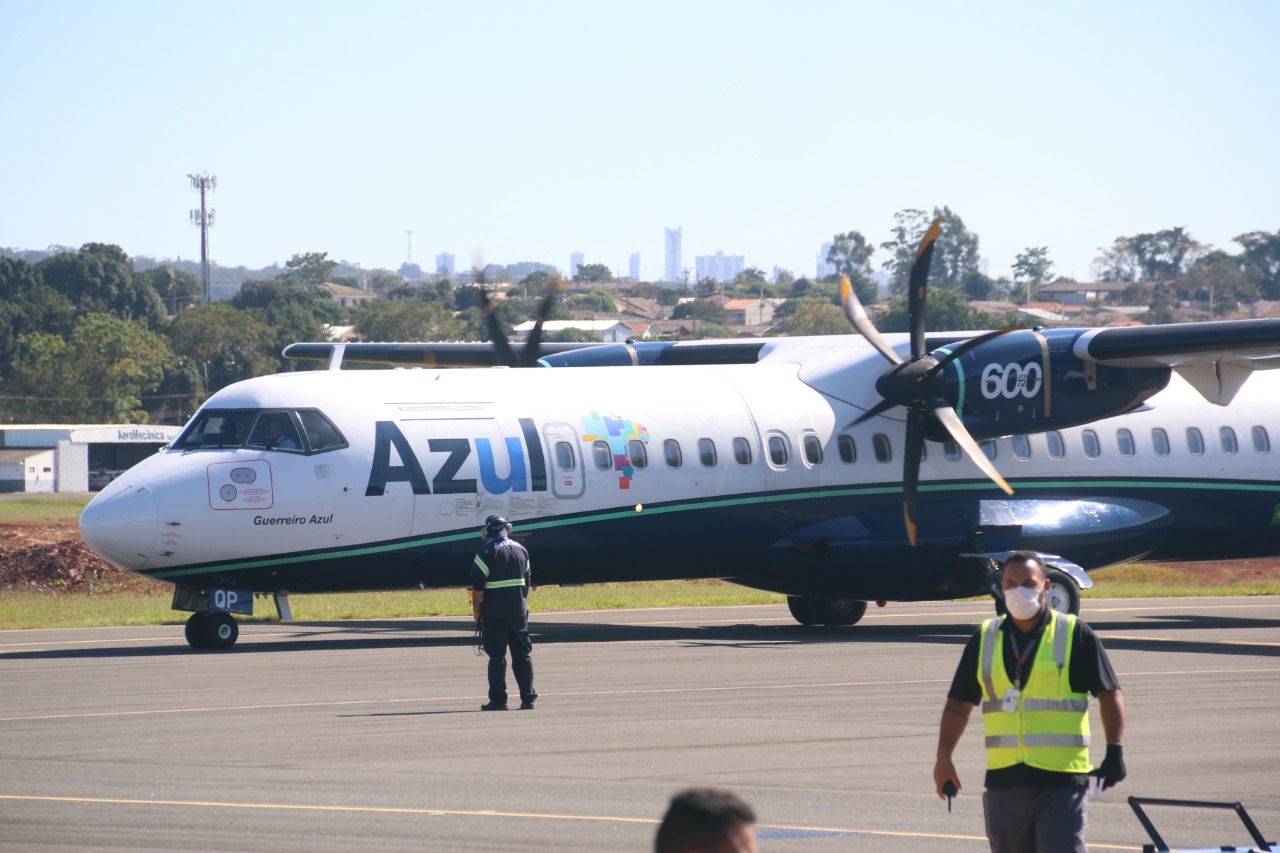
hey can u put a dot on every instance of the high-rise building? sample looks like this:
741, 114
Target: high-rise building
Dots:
720, 267
575, 261
444, 264
673, 272
635, 266
825, 267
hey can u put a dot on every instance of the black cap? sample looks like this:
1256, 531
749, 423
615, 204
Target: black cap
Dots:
496, 524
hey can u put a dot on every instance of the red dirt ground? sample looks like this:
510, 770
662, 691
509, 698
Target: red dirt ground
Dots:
51, 557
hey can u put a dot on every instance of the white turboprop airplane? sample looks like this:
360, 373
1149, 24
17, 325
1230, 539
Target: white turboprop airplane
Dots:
798, 465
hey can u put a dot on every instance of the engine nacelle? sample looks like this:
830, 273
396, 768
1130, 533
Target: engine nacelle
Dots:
1031, 381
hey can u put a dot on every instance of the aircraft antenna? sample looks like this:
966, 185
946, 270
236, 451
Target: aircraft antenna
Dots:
204, 183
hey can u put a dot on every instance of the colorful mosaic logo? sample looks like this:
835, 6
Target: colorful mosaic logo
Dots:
617, 432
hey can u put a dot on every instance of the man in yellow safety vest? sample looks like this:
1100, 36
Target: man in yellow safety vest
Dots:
1033, 671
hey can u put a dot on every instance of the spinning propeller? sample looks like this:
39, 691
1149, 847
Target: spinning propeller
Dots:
919, 384
530, 353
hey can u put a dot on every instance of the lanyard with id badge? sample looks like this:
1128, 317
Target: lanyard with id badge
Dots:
1014, 694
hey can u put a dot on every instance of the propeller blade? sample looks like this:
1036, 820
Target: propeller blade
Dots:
916, 421
949, 419
968, 345
501, 348
875, 411
858, 317
919, 286
533, 343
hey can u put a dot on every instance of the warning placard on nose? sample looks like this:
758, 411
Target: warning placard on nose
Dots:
240, 485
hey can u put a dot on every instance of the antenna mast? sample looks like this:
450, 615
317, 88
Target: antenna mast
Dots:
204, 183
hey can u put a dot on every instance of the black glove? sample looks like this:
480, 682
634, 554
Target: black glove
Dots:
1111, 770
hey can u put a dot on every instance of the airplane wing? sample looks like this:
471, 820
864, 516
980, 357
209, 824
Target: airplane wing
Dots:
1215, 358
482, 354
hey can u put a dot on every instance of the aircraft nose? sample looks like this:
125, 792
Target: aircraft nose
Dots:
122, 527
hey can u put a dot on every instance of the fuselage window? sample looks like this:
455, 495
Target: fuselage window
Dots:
742, 451
707, 452
565, 456
1021, 447
602, 454
274, 431
778, 450
1261, 441
1227, 437
1057, 447
1124, 440
1195, 441
883, 450
812, 450
320, 432
1160, 439
671, 449
848, 450
638, 453
1092, 447
988, 446
951, 450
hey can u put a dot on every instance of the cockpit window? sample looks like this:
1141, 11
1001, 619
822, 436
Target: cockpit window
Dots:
275, 431
303, 431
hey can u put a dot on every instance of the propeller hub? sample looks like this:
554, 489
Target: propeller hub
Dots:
911, 383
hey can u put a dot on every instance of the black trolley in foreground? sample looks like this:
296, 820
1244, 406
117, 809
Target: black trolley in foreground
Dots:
1259, 844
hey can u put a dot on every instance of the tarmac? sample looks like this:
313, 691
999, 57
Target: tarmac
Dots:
367, 735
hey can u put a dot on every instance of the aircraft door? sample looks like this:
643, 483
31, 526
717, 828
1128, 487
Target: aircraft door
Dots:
565, 460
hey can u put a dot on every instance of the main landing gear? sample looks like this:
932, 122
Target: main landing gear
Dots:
826, 611
212, 630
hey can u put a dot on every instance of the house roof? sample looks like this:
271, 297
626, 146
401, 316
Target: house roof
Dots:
561, 325
1084, 287
337, 290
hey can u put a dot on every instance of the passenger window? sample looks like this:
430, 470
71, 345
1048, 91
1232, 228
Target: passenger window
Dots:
778, 451
1057, 447
565, 456
742, 451
1092, 447
812, 450
883, 449
707, 452
1261, 441
602, 454
848, 450
1124, 440
1021, 447
671, 449
275, 431
1227, 437
321, 433
951, 450
1195, 441
638, 454
988, 446
1160, 439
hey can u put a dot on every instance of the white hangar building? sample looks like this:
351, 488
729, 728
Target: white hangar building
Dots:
73, 457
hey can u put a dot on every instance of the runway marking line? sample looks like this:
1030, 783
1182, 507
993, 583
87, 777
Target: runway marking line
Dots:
494, 813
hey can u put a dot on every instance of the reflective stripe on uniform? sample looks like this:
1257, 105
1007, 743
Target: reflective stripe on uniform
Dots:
1078, 706
483, 567
502, 584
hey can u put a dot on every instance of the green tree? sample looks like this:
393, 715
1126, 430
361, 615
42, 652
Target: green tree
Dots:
277, 293
978, 286
311, 268
1159, 256
945, 311
1261, 261
1031, 270
569, 336
222, 344
850, 253
408, 321
97, 375
28, 305
955, 253
814, 317
177, 289
380, 281
593, 273
100, 279
594, 300
706, 310
1220, 284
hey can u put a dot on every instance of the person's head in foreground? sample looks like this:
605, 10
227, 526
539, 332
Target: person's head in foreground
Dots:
707, 820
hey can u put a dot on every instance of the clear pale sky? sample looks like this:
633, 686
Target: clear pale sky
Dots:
532, 130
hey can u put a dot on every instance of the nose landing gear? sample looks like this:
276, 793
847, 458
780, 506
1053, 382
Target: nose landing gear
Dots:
212, 631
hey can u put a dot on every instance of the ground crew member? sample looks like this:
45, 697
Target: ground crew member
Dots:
500, 584
1032, 671
707, 820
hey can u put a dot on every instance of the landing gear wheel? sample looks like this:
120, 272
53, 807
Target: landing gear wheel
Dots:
195, 630
840, 611
1064, 594
803, 609
220, 631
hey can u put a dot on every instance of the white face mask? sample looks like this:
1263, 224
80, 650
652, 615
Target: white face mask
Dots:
1023, 603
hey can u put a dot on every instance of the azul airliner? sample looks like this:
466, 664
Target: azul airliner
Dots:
836, 470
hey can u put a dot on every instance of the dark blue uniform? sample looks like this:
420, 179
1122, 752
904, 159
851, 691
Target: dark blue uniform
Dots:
501, 570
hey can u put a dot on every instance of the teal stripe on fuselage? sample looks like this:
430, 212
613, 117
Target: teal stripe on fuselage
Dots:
719, 503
